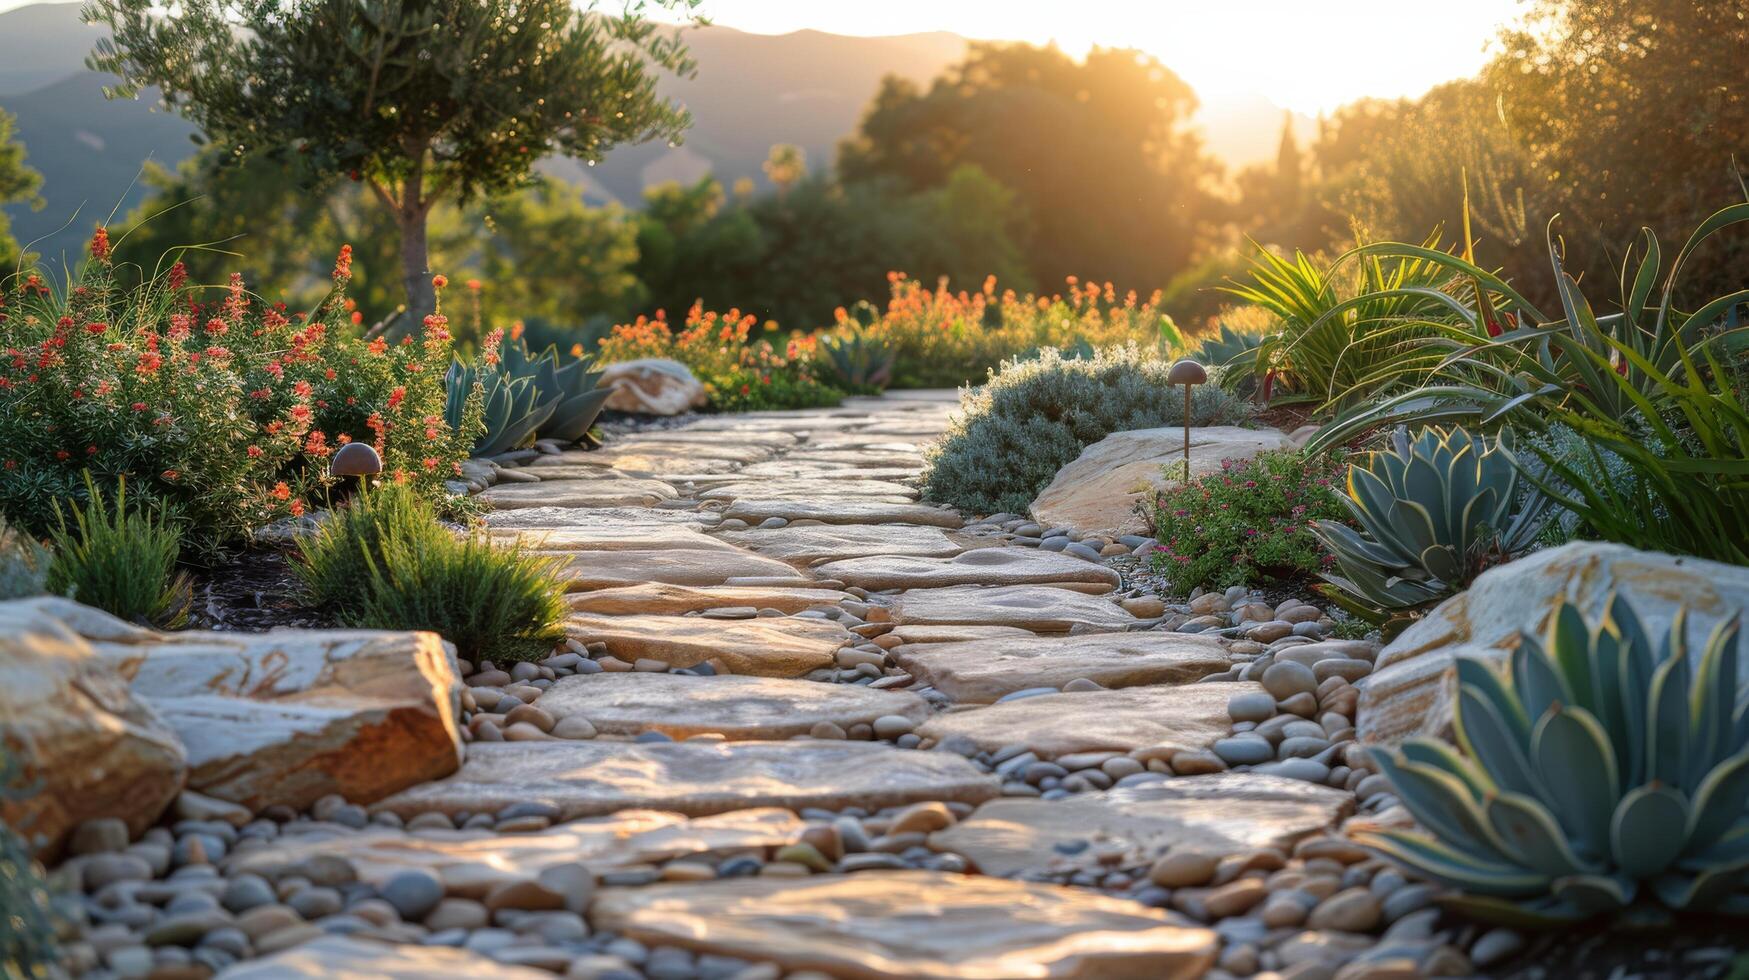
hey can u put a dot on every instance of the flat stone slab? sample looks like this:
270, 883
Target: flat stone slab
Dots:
626, 492
909, 924
984, 566
1037, 608
345, 958
985, 670
1192, 716
812, 544
789, 469
801, 488
603, 518
1218, 815
739, 708
865, 457
833, 509
767, 647
631, 537
595, 778
689, 566
1098, 490
692, 436
917, 635
484, 858
661, 598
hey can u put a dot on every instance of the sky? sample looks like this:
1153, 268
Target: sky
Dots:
1307, 55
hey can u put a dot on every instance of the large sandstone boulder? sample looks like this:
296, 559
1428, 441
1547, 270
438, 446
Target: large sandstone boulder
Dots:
82, 745
897, 925
289, 716
1413, 688
652, 386
1098, 492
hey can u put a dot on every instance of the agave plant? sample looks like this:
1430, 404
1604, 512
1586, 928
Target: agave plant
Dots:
1434, 512
527, 396
1596, 769
1234, 352
857, 359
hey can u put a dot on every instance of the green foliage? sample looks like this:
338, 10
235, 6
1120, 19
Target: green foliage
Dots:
1597, 769
1433, 513
28, 948
1032, 118
857, 361
423, 100
385, 562
24, 564
739, 373
17, 183
1013, 433
1249, 524
208, 400
120, 559
1234, 354
523, 397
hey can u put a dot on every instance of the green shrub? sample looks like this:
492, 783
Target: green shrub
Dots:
212, 401
1248, 524
120, 559
27, 932
1033, 416
385, 562
24, 564
1595, 768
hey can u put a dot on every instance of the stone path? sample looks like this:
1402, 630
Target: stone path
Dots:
805, 722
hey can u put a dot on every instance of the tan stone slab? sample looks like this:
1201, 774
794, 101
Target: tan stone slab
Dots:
738, 707
636, 537
860, 458
603, 518
627, 492
984, 566
1099, 490
800, 488
986, 670
626, 837
770, 647
1191, 716
1414, 689
831, 509
898, 925
345, 958
1037, 608
914, 635
812, 544
660, 598
787, 469
691, 436
1218, 815
594, 778
588, 570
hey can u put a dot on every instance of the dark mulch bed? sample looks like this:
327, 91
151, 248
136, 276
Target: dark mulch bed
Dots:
251, 591
1690, 949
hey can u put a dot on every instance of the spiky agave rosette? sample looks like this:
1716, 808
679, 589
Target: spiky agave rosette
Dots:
1597, 772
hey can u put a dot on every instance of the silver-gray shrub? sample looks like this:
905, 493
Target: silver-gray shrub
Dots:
1015, 431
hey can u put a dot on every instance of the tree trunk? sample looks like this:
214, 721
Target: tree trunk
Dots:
415, 272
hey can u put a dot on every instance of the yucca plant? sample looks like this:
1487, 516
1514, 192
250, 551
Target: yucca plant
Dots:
120, 559
858, 360
1433, 513
1597, 770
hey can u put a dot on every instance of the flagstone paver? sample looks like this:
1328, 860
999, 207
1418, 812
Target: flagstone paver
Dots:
1187, 717
985, 670
1038, 608
830, 509
811, 545
737, 707
661, 598
786, 647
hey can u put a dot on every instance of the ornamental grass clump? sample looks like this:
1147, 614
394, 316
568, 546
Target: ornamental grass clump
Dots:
121, 558
1597, 772
385, 562
1248, 524
1033, 416
209, 400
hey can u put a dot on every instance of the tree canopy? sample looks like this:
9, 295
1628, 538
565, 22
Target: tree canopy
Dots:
17, 183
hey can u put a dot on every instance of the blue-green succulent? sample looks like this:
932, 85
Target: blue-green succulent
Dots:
1599, 771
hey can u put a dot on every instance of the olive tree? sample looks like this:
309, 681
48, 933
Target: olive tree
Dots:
421, 100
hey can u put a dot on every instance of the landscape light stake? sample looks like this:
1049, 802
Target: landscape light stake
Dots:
356, 459
1187, 373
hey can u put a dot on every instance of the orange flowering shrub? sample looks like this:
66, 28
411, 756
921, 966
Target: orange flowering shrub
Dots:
212, 401
739, 373
945, 339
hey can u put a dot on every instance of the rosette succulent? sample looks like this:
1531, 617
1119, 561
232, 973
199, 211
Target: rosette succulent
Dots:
1597, 771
